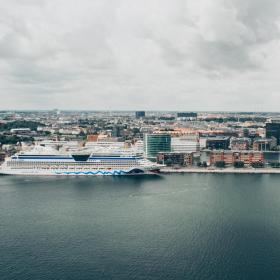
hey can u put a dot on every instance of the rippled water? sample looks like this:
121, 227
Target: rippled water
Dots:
191, 226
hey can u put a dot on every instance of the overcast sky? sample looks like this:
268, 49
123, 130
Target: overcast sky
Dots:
146, 54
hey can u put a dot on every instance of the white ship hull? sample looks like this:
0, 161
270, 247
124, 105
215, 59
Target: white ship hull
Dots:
56, 164
109, 172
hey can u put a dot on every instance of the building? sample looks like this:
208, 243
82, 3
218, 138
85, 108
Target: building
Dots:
140, 114
229, 157
104, 145
117, 131
253, 135
205, 156
171, 158
188, 159
139, 147
185, 144
239, 143
218, 143
21, 131
155, 143
188, 115
246, 133
264, 144
92, 138
272, 129
202, 142
70, 131
2, 156
271, 157
65, 145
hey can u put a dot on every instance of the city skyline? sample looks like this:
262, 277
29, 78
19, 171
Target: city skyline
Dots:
190, 55
139, 139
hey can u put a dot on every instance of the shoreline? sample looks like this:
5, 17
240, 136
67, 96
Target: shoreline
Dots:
229, 170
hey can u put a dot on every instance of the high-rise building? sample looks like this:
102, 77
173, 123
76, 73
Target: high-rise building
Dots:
155, 143
140, 114
116, 131
272, 129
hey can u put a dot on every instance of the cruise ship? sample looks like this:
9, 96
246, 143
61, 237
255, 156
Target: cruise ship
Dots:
45, 161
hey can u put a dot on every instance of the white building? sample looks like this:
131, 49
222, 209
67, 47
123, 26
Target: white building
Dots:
104, 144
119, 147
185, 144
20, 130
202, 142
139, 147
57, 145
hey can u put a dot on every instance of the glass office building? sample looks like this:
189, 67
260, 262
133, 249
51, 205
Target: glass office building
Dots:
155, 143
273, 130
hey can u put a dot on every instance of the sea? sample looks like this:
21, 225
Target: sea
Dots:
175, 226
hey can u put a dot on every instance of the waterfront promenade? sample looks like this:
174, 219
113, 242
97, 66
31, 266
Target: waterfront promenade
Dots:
230, 170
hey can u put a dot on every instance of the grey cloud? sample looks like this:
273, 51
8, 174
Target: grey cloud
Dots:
225, 39
217, 55
127, 54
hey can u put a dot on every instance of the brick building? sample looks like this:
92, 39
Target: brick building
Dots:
238, 144
229, 157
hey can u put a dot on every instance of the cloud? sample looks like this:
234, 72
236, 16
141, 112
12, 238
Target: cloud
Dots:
105, 54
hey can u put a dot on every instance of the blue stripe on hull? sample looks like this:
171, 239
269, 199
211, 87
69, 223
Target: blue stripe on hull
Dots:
99, 172
63, 157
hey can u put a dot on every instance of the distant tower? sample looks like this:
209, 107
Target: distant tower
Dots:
140, 114
246, 133
57, 111
188, 115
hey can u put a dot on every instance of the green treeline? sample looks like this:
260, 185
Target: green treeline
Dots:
236, 119
13, 139
20, 124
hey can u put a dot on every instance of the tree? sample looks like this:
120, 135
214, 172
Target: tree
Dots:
13, 139
238, 164
168, 162
257, 164
204, 164
220, 164
20, 124
275, 164
135, 130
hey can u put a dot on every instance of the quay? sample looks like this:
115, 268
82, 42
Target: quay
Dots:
229, 170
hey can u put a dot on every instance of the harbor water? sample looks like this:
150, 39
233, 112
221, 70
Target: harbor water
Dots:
175, 226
